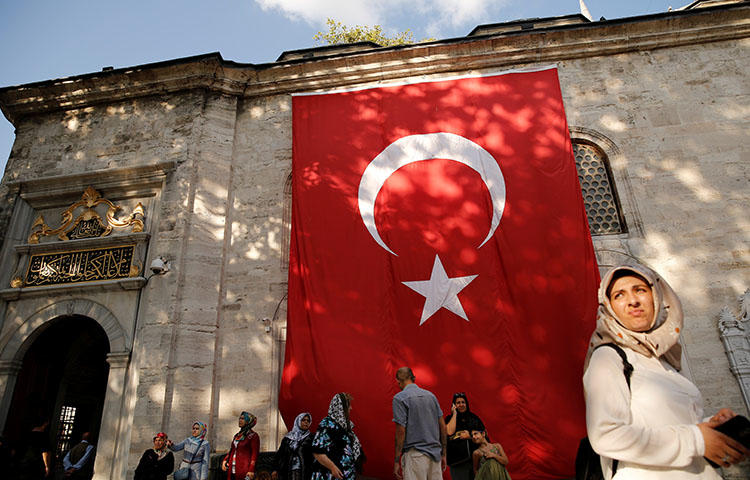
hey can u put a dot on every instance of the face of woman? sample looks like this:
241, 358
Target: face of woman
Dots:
241, 422
477, 437
159, 443
196, 430
304, 424
461, 404
633, 303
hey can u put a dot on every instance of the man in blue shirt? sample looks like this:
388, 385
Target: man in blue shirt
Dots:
420, 431
79, 461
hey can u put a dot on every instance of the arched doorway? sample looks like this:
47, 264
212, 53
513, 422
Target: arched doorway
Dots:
63, 379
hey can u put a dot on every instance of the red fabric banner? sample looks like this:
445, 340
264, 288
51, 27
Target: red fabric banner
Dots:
440, 225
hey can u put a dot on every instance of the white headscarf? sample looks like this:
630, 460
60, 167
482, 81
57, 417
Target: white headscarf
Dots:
297, 435
661, 340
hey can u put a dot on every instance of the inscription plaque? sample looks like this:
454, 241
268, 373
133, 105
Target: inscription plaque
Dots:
79, 266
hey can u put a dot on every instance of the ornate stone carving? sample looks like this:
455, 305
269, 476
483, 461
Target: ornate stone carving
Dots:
88, 223
734, 336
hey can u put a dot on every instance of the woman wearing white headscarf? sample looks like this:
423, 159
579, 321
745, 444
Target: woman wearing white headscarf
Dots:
335, 447
294, 458
652, 429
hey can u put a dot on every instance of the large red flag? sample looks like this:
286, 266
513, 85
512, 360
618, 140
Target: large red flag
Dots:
440, 225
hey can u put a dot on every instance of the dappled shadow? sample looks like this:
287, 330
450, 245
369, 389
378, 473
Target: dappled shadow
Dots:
530, 309
678, 116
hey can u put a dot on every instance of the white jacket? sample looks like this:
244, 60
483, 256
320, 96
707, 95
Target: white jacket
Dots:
650, 428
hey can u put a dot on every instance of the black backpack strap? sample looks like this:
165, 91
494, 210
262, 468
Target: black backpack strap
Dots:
627, 368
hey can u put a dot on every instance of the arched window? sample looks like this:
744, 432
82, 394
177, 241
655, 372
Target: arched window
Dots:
599, 194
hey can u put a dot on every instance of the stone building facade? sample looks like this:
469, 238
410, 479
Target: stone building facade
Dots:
198, 150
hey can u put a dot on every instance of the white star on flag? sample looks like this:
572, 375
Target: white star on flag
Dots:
440, 291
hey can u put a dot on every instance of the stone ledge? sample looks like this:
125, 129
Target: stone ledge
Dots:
118, 285
98, 242
212, 72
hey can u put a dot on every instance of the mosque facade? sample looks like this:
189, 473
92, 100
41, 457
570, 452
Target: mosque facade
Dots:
145, 226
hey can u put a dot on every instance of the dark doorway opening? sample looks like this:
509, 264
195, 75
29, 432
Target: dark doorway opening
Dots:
63, 380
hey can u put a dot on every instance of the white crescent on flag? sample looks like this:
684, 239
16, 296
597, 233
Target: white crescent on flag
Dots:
416, 148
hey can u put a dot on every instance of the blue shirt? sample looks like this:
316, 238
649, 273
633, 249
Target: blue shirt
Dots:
418, 410
80, 463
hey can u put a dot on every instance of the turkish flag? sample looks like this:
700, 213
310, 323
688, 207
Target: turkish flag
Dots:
440, 225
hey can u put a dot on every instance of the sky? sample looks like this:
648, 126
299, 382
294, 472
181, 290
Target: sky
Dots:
49, 39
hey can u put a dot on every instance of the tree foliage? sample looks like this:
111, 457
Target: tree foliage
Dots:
339, 33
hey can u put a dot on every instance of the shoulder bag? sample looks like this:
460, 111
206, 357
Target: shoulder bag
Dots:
184, 472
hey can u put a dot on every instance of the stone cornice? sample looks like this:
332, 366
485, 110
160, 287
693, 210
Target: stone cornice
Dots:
468, 54
134, 181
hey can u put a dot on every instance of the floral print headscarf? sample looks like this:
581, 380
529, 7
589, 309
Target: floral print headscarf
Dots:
250, 421
337, 412
203, 430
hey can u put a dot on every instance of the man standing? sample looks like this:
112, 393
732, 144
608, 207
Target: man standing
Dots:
420, 431
79, 461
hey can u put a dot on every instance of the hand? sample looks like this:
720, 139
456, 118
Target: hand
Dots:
224, 466
397, 470
169, 443
443, 463
453, 409
250, 475
335, 472
721, 416
464, 435
720, 448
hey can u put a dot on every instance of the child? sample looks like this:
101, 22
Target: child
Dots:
489, 459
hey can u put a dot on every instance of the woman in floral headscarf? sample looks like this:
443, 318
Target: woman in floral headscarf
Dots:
335, 447
294, 458
240, 461
156, 463
650, 427
197, 451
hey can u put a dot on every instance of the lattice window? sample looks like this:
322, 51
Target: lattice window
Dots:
65, 432
599, 195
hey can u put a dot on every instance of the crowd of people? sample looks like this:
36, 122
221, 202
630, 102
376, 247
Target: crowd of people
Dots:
643, 417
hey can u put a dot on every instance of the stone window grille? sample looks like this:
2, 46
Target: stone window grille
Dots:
598, 190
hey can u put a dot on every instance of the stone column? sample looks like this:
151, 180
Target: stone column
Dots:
736, 340
109, 446
9, 370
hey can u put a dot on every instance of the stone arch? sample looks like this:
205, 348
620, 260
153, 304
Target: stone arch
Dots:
16, 343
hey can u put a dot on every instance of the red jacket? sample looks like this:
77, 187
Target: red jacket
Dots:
247, 455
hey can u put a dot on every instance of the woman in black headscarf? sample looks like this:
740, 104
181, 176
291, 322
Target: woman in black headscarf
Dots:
459, 425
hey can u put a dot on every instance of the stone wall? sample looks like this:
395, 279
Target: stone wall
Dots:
671, 114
